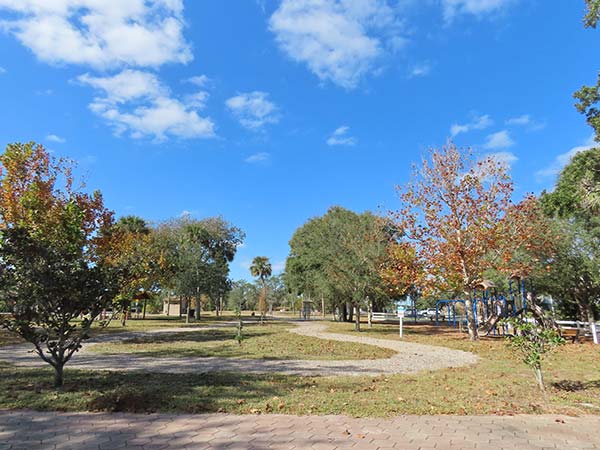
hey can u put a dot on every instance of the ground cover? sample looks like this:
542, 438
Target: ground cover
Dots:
498, 384
271, 341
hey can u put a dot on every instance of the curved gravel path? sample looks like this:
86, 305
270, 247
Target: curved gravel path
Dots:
410, 358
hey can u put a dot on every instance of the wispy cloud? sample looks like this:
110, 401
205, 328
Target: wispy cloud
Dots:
200, 81
527, 121
341, 136
339, 41
478, 8
2, 70
56, 139
253, 110
555, 167
477, 123
498, 140
506, 158
420, 70
138, 103
258, 158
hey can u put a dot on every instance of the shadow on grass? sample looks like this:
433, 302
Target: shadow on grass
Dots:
226, 334
140, 392
575, 385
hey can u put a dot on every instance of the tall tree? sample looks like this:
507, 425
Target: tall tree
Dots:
261, 269
588, 96
574, 203
339, 256
51, 264
457, 215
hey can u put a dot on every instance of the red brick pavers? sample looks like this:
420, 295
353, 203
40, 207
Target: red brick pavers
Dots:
39, 430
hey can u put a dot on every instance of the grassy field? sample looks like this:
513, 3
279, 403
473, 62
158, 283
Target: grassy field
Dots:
498, 384
271, 341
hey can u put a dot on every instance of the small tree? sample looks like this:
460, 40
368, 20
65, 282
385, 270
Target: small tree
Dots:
51, 240
261, 269
533, 342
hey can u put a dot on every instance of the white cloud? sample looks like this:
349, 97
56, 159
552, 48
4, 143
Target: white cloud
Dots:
525, 120
506, 158
126, 86
253, 109
554, 168
339, 40
258, 158
2, 70
340, 136
55, 138
499, 140
420, 70
136, 102
479, 8
199, 80
100, 33
478, 123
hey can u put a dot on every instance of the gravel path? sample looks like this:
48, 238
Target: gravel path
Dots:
410, 357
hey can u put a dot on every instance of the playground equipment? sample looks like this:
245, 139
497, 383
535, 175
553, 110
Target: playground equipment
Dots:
489, 306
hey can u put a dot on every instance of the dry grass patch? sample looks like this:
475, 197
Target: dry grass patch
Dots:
271, 341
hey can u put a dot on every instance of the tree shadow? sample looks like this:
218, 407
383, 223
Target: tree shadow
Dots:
575, 385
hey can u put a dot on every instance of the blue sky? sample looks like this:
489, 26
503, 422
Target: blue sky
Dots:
268, 112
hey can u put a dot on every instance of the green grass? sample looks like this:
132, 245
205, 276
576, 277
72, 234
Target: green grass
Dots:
271, 341
498, 384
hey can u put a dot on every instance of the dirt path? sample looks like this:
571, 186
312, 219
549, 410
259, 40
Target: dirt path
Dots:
410, 358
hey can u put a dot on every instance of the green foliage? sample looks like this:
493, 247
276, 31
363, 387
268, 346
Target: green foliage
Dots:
592, 14
573, 277
589, 96
533, 342
195, 256
52, 264
339, 256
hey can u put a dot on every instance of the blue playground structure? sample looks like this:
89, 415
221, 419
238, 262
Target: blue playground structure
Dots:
489, 307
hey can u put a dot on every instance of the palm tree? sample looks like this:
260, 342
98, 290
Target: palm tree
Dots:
261, 269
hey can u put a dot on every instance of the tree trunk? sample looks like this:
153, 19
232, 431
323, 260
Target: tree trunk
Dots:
322, 305
187, 310
592, 321
357, 319
471, 324
58, 375
369, 312
539, 377
350, 311
144, 310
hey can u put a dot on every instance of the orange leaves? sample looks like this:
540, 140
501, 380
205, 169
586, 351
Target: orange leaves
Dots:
36, 193
459, 220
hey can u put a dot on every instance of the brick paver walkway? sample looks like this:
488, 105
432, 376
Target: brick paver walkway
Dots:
36, 430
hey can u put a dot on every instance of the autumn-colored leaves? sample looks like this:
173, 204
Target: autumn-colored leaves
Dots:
458, 221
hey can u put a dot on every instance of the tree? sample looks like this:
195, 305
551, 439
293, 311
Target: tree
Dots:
51, 264
589, 96
195, 257
575, 274
458, 220
533, 342
339, 256
132, 251
261, 269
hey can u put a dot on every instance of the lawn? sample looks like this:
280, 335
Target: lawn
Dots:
498, 384
271, 341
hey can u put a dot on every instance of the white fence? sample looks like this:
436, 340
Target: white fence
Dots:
382, 317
